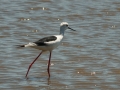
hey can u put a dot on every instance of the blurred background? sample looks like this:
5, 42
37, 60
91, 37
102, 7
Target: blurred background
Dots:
87, 59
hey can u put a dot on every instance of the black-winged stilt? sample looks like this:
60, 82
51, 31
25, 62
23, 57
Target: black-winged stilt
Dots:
48, 44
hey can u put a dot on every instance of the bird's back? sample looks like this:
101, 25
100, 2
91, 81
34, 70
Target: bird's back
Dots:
46, 44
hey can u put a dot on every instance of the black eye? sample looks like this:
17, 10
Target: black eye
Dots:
66, 25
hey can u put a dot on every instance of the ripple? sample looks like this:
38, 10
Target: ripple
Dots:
87, 58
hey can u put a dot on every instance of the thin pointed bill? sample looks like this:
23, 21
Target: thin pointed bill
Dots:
71, 29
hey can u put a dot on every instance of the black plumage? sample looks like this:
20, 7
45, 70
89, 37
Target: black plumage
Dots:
42, 41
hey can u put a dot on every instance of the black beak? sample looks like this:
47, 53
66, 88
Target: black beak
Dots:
71, 29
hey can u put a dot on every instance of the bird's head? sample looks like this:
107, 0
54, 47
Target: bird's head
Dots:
64, 25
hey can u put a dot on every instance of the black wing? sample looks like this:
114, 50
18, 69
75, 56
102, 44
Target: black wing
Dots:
42, 41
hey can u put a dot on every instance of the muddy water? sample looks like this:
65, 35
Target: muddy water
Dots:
87, 59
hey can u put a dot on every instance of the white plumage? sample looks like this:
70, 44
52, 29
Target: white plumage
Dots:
48, 44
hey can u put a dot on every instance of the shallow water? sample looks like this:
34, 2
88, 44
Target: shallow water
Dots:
87, 59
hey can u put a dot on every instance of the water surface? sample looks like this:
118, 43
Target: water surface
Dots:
87, 59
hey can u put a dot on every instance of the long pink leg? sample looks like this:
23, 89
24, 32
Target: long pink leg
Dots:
32, 64
48, 69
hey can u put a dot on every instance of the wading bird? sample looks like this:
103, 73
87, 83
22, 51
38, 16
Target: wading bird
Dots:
48, 44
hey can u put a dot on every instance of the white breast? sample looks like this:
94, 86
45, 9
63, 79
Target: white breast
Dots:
56, 43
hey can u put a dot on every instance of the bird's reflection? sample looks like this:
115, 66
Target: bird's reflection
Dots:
48, 80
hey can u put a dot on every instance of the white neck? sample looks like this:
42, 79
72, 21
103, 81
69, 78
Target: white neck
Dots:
62, 30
